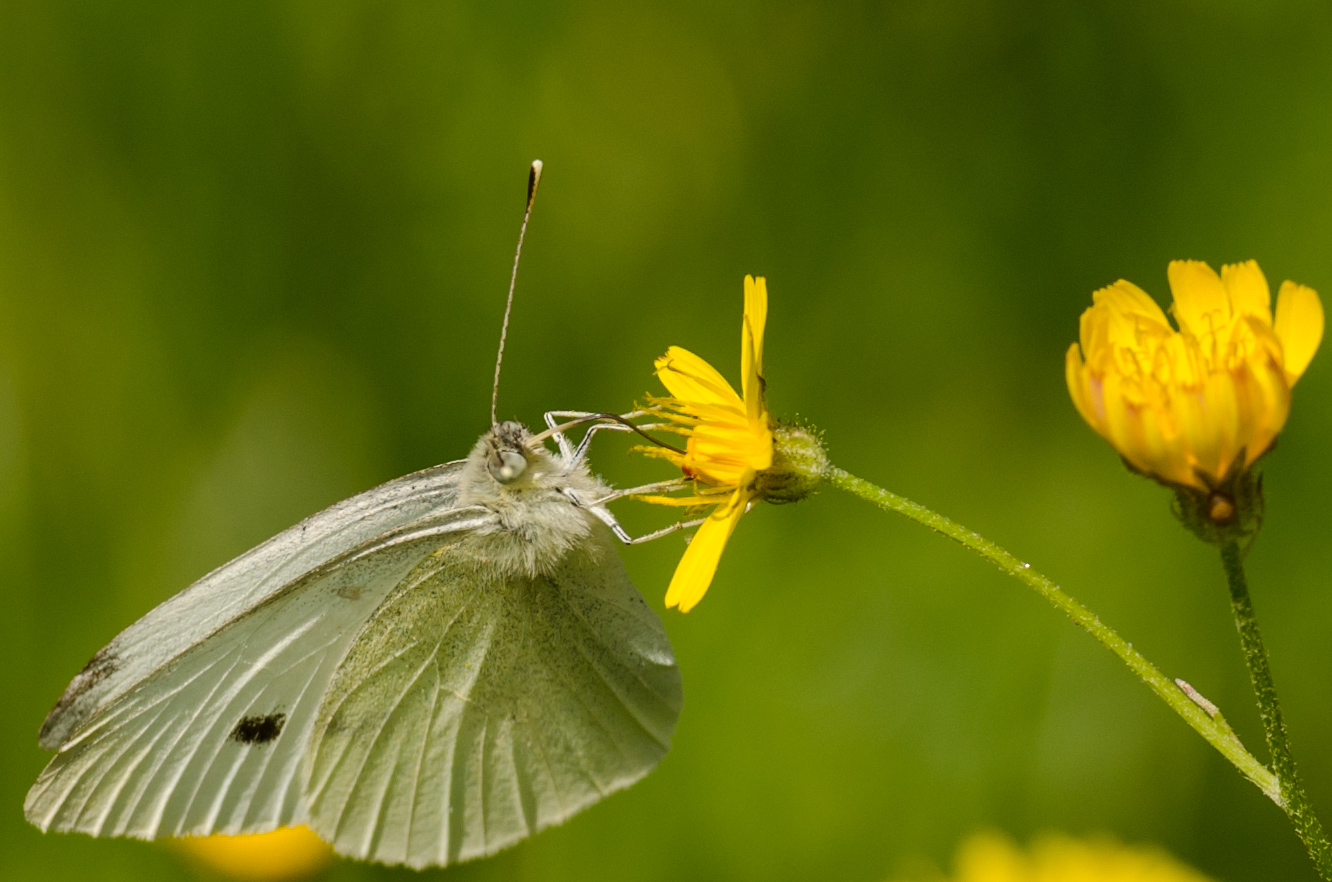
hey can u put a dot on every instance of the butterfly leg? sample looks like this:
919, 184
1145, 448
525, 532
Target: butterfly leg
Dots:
609, 520
581, 450
656, 487
657, 534
571, 418
616, 422
557, 431
603, 514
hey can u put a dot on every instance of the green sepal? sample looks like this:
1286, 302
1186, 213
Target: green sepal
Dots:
799, 465
1232, 511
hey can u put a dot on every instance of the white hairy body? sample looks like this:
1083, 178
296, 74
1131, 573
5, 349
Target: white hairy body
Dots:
539, 515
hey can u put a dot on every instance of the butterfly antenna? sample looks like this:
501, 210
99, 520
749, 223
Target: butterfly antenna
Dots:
533, 179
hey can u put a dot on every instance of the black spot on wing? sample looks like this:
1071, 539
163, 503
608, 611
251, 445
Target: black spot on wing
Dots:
259, 730
101, 666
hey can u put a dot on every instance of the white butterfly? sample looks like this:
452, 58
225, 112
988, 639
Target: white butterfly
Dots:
424, 673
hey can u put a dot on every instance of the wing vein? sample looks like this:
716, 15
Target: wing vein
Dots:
420, 758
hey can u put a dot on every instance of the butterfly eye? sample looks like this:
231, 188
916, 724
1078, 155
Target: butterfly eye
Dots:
508, 466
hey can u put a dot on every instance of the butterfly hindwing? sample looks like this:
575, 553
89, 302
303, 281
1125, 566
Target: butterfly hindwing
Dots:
474, 710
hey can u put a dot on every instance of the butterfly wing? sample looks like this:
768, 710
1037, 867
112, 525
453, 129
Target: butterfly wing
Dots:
473, 711
196, 718
237, 587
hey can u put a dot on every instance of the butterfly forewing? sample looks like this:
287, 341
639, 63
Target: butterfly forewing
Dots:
474, 710
236, 588
213, 739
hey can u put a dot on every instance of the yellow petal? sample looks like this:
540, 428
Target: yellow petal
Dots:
1174, 459
1122, 318
1264, 397
1128, 299
1266, 345
1224, 416
988, 857
1075, 376
1093, 333
751, 344
715, 446
701, 414
678, 501
1120, 424
658, 453
691, 379
1158, 444
699, 564
1249, 293
287, 853
1299, 326
1199, 446
1201, 302
727, 474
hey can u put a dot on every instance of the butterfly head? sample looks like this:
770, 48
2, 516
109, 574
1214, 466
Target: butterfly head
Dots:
535, 497
507, 451
509, 462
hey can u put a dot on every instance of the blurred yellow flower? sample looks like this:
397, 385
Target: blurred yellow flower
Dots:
730, 442
1195, 406
289, 853
990, 857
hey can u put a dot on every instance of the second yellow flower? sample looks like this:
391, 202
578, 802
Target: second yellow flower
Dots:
1194, 406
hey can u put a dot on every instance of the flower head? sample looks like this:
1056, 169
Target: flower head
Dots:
989, 857
736, 453
1193, 407
284, 855
729, 443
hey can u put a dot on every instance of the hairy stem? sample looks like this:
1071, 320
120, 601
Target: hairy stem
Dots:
1213, 728
1293, 799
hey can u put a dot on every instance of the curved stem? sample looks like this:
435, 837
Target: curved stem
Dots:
1293, 799
1208, 723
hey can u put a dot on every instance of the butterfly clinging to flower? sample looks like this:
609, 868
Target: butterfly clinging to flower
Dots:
422, 674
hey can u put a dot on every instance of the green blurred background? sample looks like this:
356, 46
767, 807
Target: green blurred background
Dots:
253, 258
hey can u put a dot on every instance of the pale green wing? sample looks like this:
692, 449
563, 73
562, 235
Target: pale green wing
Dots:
236, 589
197, 719
472, 712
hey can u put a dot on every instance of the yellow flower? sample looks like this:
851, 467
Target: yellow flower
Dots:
284, 855
1193, 407
989, 857
730, 443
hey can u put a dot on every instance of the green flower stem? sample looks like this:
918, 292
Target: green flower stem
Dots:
1211, 727
1293, 798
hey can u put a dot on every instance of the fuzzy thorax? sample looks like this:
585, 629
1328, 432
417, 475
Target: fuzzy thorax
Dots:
538, 500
